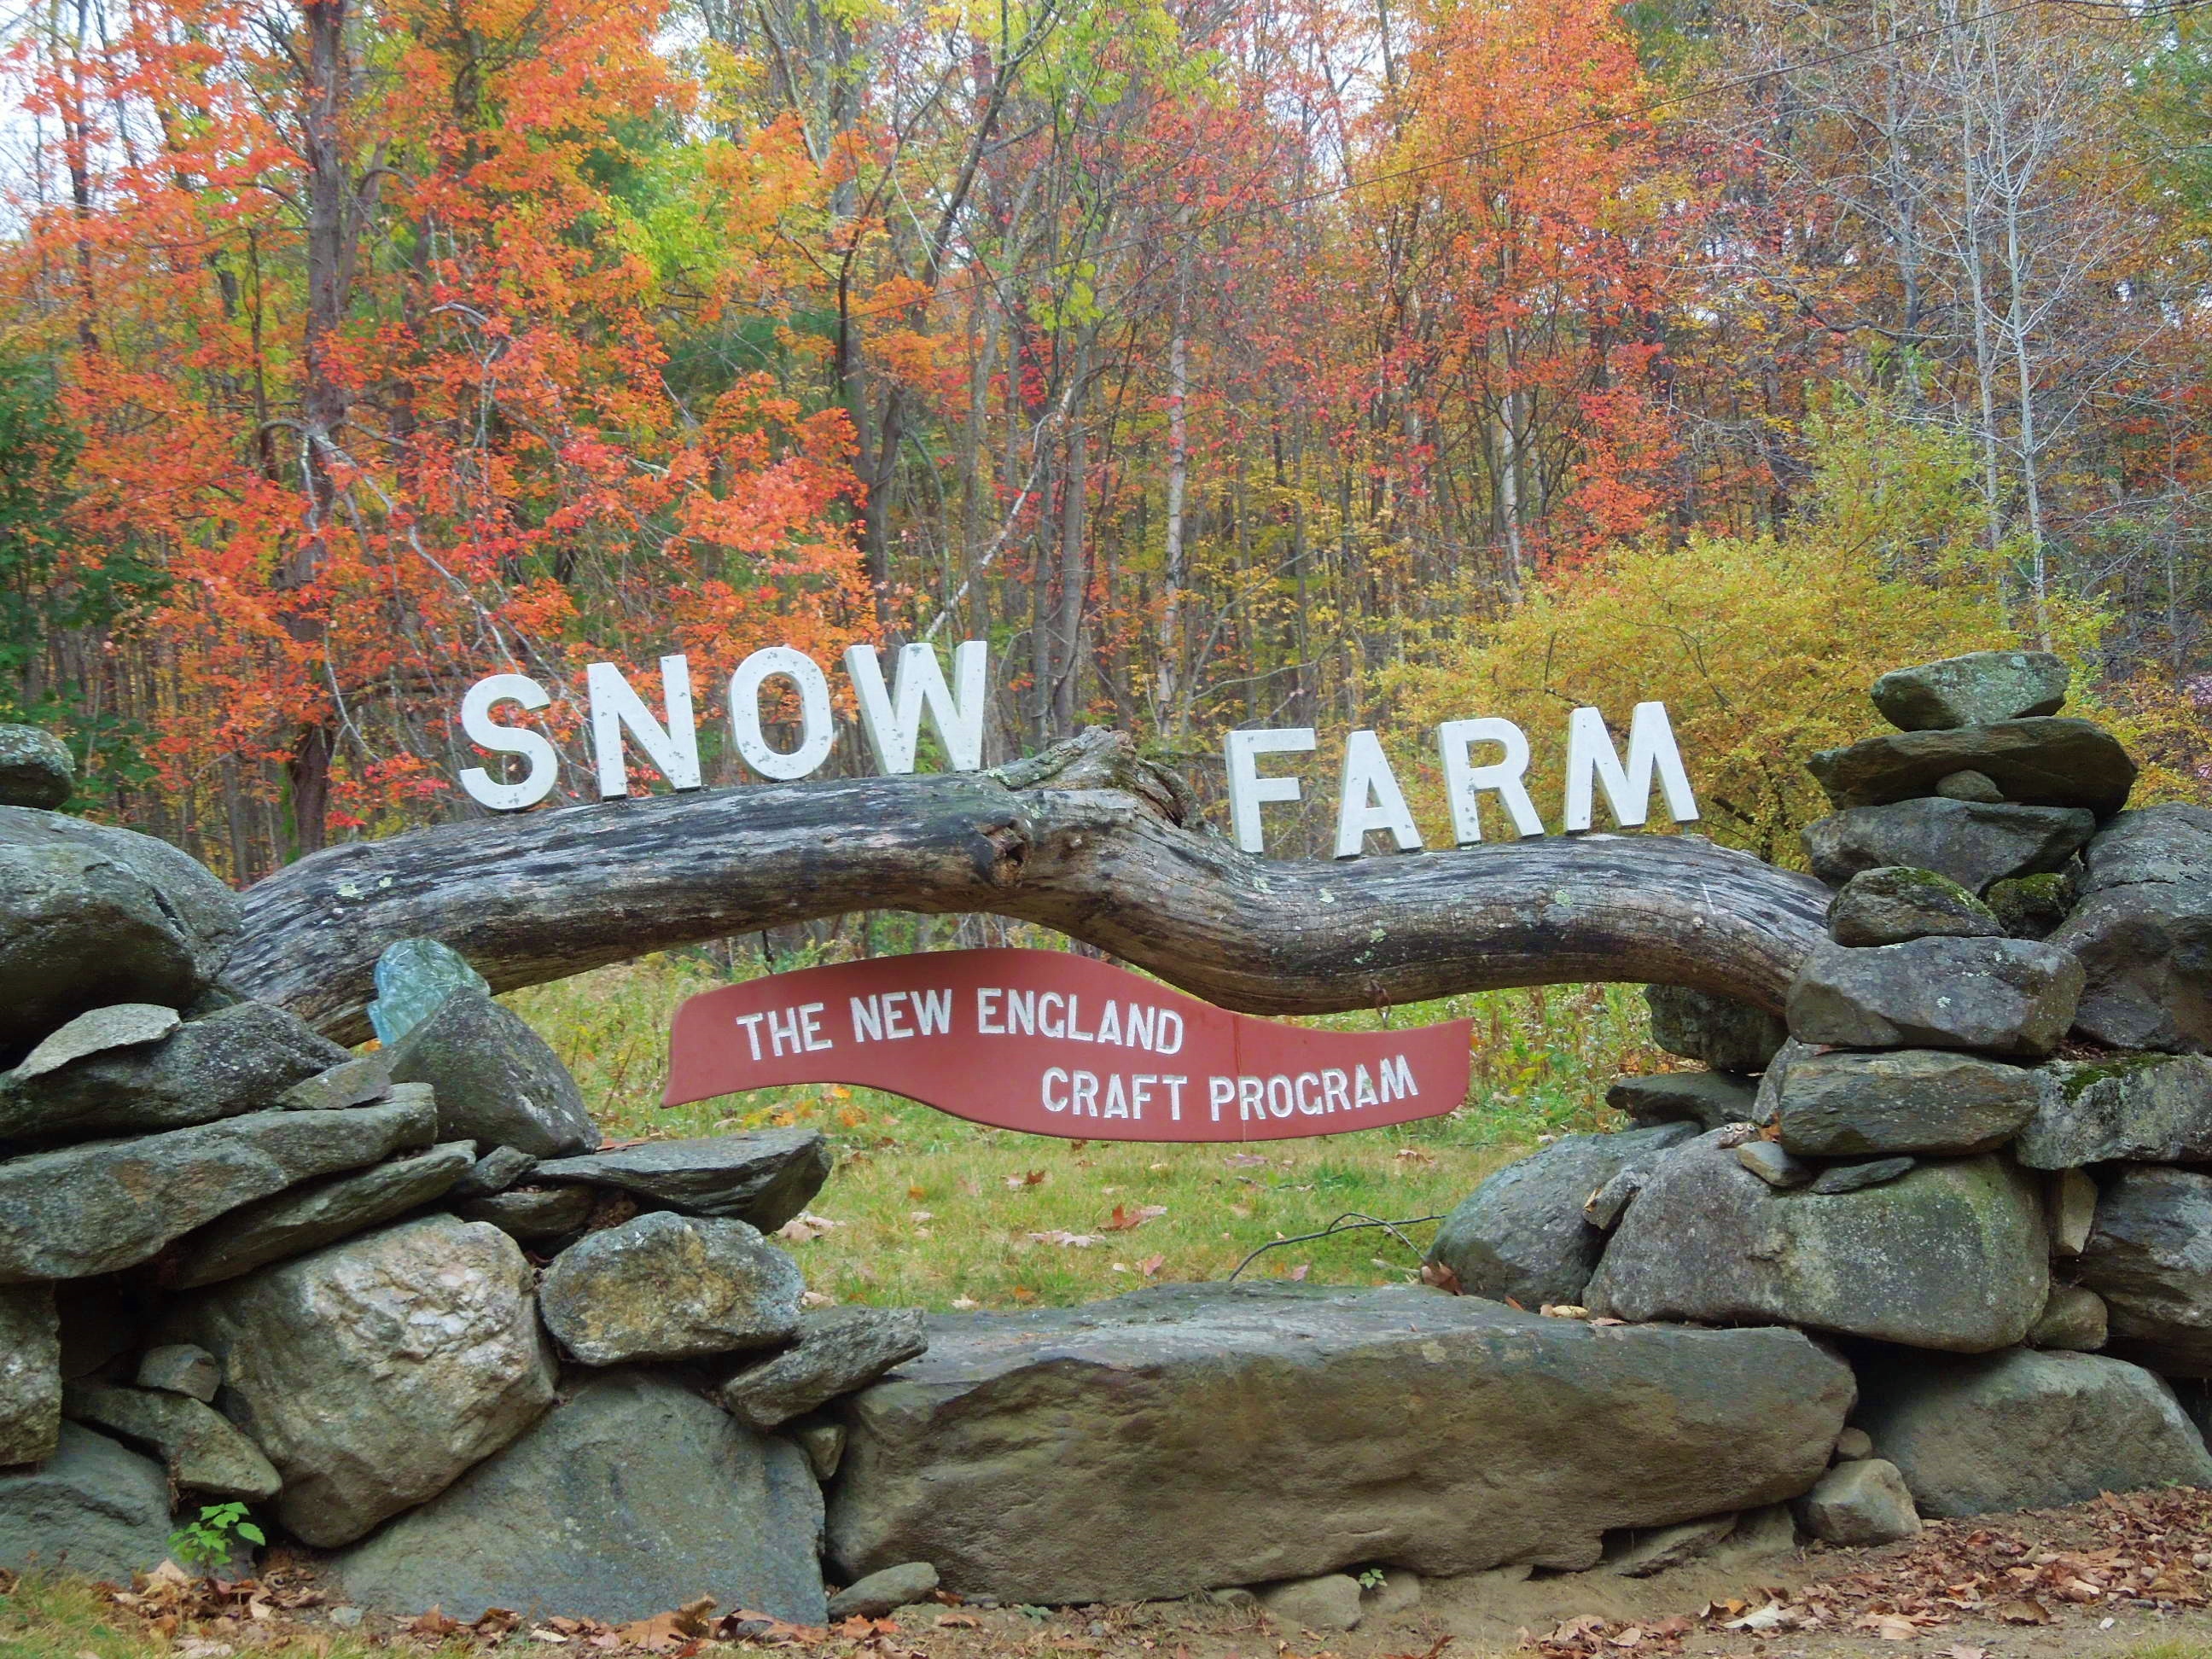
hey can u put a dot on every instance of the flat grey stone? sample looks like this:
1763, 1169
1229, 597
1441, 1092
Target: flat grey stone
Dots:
94, 1508
236, 1061
1952, 1256
2150, 1258
1766, 1160
1707, 1099
180, 1367
1718, 1031
1399, 1592
1896, 902
837, 1350
1860, 1503
762, 1177
1852, 1445
1856, 1177
1328, 1602
307, 1217
1975, 845
2008, 997
200, 1448
412, 977
1975, 689
495, 1172
373, 1373
2042, 762
1647, 1555
1970, 786
633, 1498
2144, 931
1294, 1452
1521, 1235
357, 1082
666, 1287
36, 769
30, 1373
92, 916
125, 1025
881, 1593
1842, 1104
497, 1082
1603, 1208
111, 1204
2027, 1431
2074, 1319
2156, 1109
532, 1212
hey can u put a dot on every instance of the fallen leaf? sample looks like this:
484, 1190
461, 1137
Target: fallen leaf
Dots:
915, 1192
665, 1632
1067, 1240
817, 1300
958, 1621
804, 1227
965, 1304
1299, 1271
1151, 1265
2024, 1612
432, 1624
1127, 1219
1960, 1650
1034, 1178
918, 1217
1435, 1273
1889, 1626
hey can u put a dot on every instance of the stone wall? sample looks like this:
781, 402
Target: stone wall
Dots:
1933, 1243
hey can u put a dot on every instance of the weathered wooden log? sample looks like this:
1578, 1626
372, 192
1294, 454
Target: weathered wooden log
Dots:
1087, 838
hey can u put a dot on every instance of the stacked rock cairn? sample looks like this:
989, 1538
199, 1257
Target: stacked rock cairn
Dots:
238, 1262
1972, 1158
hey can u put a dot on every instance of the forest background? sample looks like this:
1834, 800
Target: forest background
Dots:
1340, 363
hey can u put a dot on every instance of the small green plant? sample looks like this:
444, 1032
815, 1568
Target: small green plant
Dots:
1371, 1579
214, 1538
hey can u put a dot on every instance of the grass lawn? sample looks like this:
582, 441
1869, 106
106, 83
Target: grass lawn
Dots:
927, 1210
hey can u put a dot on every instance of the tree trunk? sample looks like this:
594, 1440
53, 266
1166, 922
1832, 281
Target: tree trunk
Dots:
1087, 838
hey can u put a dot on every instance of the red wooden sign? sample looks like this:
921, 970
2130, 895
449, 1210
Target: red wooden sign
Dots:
1056, 1044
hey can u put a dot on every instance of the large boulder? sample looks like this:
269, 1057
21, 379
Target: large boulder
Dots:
838, 1350
1975, 845
1951, 1256
2153, 1108
1718, 1032
1895, 903
91, 915
293, 1223
2150, 1257
632, 1499
201, 1450
94, 1508
111, 1204
1975, 689
1707, 1099
240, 1059
667, 1286
1838, 1103
2002, 996
762, 1177
36, 768
30, 1373
2042, 762
496, 1080
1520, 1236
2025, 1430
374, 1371
1194, 1436
2144, 931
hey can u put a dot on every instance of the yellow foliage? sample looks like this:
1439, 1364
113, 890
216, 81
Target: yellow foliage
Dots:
1762, 651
